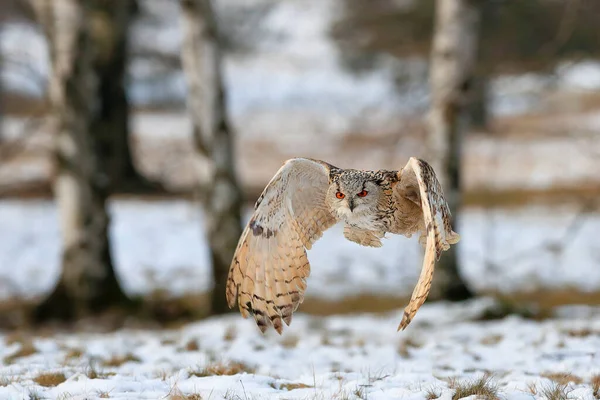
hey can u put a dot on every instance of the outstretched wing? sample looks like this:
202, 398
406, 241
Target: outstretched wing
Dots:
268, 273
418, 184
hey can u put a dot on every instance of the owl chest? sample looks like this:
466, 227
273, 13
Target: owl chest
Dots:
372, 222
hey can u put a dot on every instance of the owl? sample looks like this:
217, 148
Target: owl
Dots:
268, 273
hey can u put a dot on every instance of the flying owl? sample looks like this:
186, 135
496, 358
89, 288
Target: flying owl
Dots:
268, 273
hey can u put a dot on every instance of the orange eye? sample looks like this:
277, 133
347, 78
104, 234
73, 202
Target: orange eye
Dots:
362, 194
340, 195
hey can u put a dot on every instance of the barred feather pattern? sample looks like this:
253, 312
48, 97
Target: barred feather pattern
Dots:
418, 183
268, 272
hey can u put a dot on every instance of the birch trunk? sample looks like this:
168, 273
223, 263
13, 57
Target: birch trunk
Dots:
110, 23
452, 69
220, 194
87, 283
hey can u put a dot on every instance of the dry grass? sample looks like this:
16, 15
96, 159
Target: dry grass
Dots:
183, 396
218, 369
192, 345
562, 378
117, 361
27, 348
103, 395
556, 392
291, 386
491, 340
483, 387
595, 382
581, 333
230, 334
74, 354
93, 373
50, 379
405, 345
432, 394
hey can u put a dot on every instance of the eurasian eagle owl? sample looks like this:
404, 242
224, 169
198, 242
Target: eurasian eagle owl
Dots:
268, 273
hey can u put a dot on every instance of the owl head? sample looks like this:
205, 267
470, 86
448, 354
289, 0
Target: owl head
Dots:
353, 194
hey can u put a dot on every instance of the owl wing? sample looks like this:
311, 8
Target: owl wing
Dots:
418, 183
268, 273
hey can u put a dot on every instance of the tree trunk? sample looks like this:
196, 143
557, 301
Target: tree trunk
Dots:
451, 78
110, 23
87, 283
221, 196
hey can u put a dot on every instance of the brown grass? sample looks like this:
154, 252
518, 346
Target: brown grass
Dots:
580, 333
182, 396
432, 394
595, 382
192, 345
491, 340
291, 386
117, 361
74, 354
230, 334
562, 378
93, 373
556, 392
218, 369
483, 387
27, 348
50, 379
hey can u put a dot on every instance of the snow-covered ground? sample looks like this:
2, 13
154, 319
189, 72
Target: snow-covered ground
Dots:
349, 357
159, 245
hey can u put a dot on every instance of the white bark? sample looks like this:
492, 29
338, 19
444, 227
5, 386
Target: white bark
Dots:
452, 69
221, 195
451, 73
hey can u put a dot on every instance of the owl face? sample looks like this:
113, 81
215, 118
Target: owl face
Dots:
353, 194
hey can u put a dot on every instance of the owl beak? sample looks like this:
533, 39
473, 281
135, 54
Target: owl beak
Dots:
351, 205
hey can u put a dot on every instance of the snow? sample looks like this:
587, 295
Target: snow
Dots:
159, 246
333, 357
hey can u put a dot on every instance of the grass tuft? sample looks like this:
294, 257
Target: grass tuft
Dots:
491, 340
218, 369
93, 373
74, 354
483, 387
230, 334
556, 391
192, 345
291, 386
433, 394
50, 379
27, 348
562, 378
117, 361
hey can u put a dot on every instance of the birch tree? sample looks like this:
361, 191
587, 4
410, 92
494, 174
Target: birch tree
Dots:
220, 194
87, 282
452, 67
110, 25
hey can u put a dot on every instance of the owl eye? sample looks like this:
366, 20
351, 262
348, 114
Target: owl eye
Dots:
362, 194
340, 195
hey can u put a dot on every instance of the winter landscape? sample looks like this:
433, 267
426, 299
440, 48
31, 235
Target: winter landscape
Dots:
332, 80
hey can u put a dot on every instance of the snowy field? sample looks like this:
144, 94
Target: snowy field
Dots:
445, 350
159, 246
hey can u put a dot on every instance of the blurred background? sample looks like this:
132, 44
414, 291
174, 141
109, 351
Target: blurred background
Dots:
136, 136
